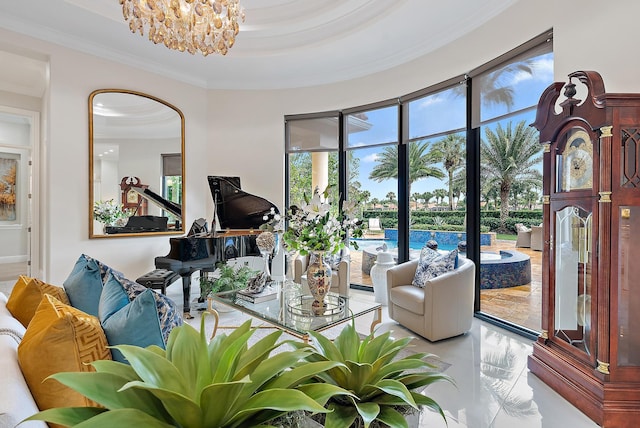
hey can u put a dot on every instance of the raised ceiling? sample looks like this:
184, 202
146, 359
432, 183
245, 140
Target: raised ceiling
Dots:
282, 44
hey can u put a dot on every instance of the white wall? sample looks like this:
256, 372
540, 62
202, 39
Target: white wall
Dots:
242, 132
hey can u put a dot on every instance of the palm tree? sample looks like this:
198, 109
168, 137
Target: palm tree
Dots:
415, 197
420, 164
391, 197
440, 194
451, 152
495, 88
509, 155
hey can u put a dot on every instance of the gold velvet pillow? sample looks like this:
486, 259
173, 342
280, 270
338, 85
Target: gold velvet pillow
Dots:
26, 296
60, 338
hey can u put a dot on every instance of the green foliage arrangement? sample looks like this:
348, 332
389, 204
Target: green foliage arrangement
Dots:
193, 384
230, 278
382, 389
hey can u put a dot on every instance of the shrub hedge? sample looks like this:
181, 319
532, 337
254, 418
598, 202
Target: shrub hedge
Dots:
454, 220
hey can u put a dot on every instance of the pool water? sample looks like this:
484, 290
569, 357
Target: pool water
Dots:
392, 244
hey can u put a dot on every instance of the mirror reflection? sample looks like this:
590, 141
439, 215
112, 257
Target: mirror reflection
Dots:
136, 146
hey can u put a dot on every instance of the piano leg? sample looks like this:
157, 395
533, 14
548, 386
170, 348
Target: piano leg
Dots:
186, 296
185, 270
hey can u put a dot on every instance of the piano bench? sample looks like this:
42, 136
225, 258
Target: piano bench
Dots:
158, 279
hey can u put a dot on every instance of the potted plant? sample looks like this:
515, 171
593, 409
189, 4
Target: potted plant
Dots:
228, 278
383, 389
191, 384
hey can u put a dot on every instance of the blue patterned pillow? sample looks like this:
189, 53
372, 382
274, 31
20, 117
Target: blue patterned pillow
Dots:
127, 322
168, 313
442, 264
88, 278
427, 255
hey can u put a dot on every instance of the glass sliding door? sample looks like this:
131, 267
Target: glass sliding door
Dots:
437, 175
506, 97
372, 180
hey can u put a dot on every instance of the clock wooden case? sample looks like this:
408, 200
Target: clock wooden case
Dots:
589, 348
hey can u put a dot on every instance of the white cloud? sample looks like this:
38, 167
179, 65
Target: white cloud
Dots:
429, 101
542, 70
373, 157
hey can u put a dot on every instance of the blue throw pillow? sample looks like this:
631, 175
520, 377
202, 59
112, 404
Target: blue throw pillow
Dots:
440, 265
127, 322
168, 312
84, 285
426, 256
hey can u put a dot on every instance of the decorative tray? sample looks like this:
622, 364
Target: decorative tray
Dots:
301, 305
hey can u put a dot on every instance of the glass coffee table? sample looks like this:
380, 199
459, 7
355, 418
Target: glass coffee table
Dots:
292, 311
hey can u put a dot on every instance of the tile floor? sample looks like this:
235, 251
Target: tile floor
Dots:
494, 388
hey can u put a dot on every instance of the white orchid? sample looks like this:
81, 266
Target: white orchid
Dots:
315, 227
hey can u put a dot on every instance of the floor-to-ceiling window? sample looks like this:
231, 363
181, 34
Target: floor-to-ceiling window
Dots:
437, 155
456, 163
312, 156
371, 146
505, 96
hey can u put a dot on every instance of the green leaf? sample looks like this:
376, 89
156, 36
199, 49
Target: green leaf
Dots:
257, 353
360, 376
341, 416
69, 416
124, 418
115, 367
325, 347
392, 418
228, 361
367, 411
322, 392
154, 369
271, 368
397, 389
284, 400
348, 343
297, 375
187, 350
185, 411
104, 389
429, 403
220, 401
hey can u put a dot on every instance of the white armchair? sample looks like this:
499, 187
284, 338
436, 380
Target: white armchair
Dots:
442, 309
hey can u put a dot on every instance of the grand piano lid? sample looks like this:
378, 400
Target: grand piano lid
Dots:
167, 205
235, 208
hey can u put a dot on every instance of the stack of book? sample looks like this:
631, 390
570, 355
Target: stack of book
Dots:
267, 294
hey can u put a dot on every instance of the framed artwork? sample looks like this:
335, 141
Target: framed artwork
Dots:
8, 182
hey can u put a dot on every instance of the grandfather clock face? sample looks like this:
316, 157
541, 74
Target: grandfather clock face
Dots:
575, 164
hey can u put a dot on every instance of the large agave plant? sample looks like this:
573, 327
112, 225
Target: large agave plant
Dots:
382, 388
223, 383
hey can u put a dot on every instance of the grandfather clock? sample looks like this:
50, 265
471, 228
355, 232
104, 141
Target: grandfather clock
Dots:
132, 200
589, 348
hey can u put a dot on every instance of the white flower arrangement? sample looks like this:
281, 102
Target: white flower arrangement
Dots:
108, 212
315, 226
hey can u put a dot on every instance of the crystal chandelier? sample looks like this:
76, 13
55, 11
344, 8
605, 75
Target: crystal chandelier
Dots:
208, 26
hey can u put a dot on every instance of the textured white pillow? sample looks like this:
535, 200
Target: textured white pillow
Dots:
440, 265
427, 255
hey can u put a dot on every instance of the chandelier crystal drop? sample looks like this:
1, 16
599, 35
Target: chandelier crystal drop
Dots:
208, 26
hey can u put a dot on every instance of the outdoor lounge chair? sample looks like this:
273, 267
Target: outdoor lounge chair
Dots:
374, 225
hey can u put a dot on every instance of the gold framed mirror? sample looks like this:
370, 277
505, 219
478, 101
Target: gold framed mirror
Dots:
136, 165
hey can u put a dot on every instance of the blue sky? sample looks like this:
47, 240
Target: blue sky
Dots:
437, 114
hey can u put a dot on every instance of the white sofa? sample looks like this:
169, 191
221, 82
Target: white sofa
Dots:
16, 402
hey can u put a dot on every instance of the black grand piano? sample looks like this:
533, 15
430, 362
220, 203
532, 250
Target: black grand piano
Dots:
148, 223
239, 215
